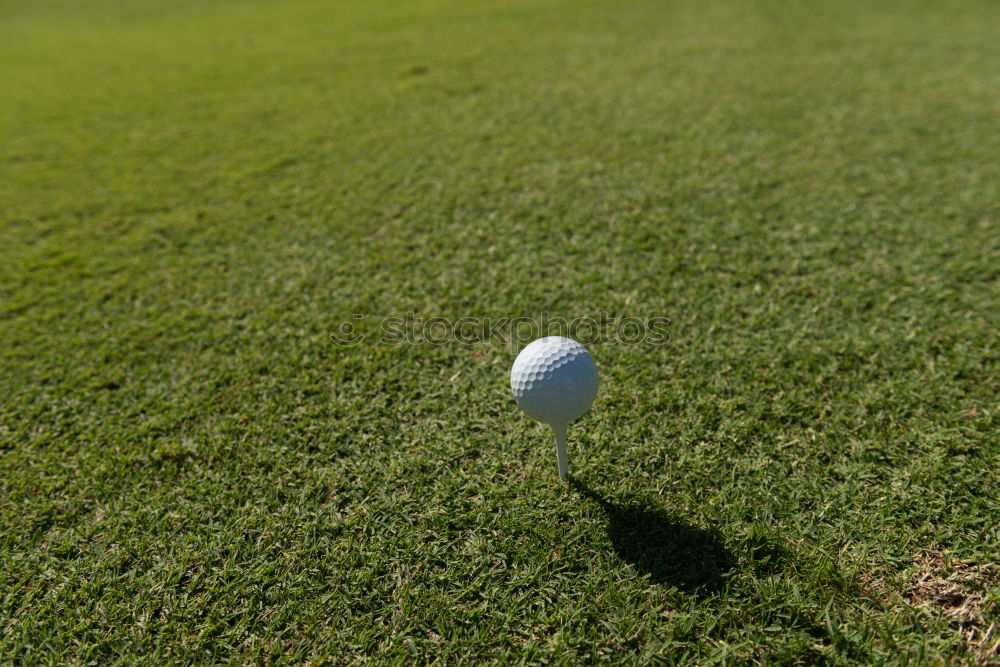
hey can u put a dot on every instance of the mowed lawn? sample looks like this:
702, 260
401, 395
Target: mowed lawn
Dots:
194, 196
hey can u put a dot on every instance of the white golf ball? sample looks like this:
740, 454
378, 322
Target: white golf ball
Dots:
554, 380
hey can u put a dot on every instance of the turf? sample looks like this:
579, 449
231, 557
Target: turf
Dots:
196, 195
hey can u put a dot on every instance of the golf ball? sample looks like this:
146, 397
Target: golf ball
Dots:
554, 380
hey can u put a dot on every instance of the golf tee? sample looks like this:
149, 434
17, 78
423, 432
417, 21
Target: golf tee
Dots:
559, 430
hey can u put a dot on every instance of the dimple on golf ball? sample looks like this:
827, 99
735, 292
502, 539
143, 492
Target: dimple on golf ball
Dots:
554, 380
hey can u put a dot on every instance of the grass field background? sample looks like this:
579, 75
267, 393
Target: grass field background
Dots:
193, 196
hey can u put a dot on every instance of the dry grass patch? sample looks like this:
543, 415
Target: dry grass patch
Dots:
958, 591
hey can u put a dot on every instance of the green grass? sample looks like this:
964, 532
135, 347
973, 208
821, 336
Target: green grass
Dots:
193, 198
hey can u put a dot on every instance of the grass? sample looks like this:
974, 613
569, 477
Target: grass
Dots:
195, 197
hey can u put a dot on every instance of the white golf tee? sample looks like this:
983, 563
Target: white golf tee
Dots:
559, 430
